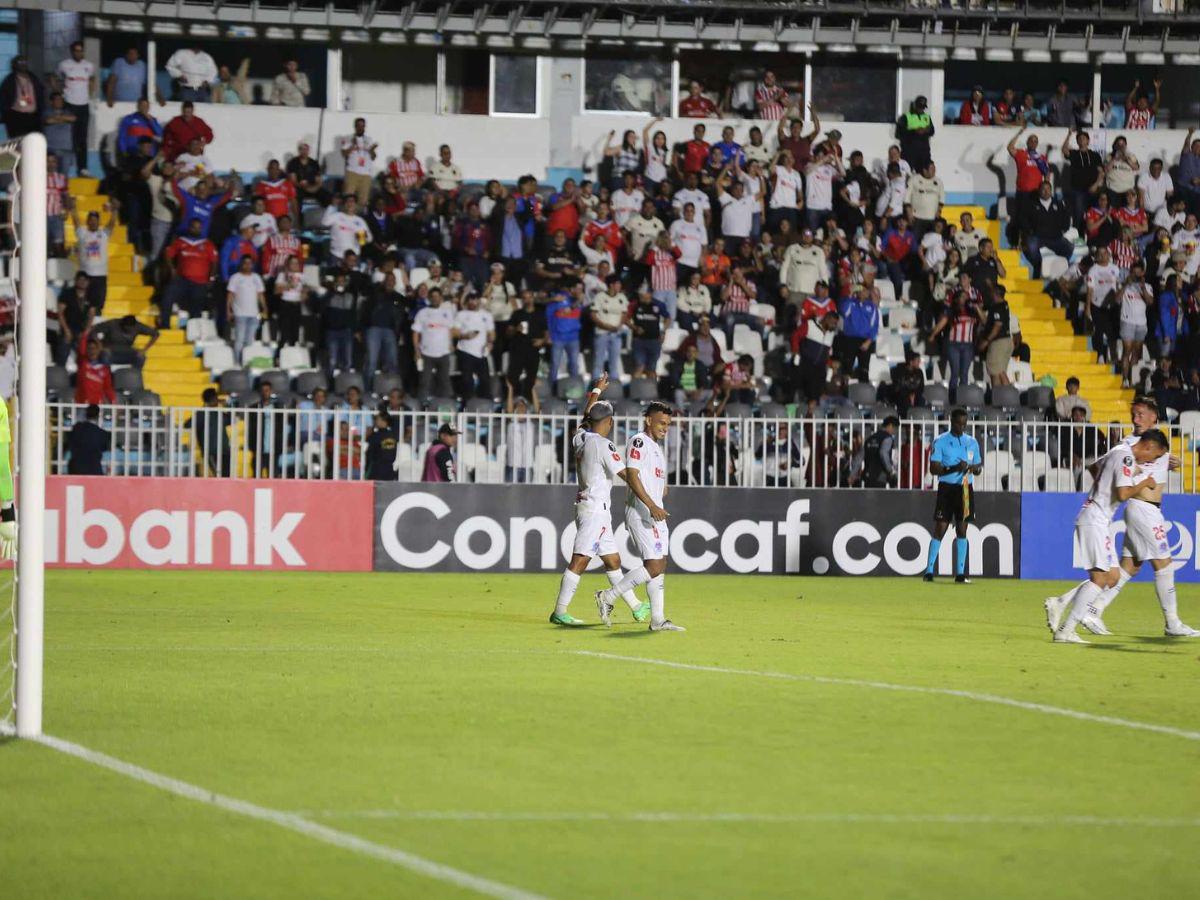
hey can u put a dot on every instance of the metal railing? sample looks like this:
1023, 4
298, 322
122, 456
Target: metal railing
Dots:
337, 444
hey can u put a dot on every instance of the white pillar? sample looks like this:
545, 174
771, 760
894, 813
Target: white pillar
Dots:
151, 70
1096, 123
439, 93
31, 433
807, 87
333, 79
674, 110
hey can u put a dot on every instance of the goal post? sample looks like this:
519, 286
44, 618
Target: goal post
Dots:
27, 268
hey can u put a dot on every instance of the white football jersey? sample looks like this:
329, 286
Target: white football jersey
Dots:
1117, 469
643, 453
1159, 468
597, 463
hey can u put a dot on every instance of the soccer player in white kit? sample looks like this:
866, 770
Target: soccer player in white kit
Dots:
646, 475
1120, 477
597, 462
1145, 535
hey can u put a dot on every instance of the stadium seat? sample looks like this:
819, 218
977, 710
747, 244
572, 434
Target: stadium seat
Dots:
61, 269
902, 318
746, 340
292, 357
630, 408
343, 381
1039, 397
738, 410
127, 380
890, 347
258, 351
1020, 373
1025, 414
1035, 464
545, 463
765, 312
1006, 397
58, 382
674, 337
470, 455
201, 329
718, 335
555, 406
937, 395
218, 358
1189, 425
490, 471
614, 392
773, 411
1054, 267
307, 382
643, 389
279, 380
383, 382
234, 381
542, 388
409, 469
477, 405
997, 465
570, 388
887, 291
145, 398
882, 411
969, 396
311, 276
878, 371
921, 414
1061, 480
861, 394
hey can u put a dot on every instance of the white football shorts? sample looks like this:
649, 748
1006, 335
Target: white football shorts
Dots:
1095, 546
652, 539
1145, 532
593, 531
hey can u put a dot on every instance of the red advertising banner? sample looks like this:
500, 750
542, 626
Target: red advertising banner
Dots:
193, 523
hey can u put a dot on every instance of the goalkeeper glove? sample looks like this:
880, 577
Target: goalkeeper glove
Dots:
8, 540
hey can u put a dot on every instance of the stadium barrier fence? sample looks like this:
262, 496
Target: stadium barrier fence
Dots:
500, 448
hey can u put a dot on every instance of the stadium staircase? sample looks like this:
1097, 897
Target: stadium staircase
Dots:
1054, 347
173, 369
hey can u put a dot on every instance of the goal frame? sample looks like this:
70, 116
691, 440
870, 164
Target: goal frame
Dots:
30, 263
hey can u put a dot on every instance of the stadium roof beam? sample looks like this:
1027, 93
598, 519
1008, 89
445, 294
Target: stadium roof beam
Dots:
566, 23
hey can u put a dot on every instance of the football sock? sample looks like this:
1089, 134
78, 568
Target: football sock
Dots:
960, 556
566, 590
1083, 606
1108, 596
1164, 587
632, 579
935, 547
614, 578
657, 591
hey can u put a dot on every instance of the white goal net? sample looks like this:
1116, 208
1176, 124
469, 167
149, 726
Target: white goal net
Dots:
23, 211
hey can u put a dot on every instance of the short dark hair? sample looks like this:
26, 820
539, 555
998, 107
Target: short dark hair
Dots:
657, 406
209, 395
893, 421
1072, 381
958, 413
93, 412
1155, 436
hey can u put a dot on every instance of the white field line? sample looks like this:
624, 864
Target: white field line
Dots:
909, 689
436, 815
292, 822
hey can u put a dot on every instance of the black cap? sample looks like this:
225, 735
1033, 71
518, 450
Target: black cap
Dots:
448, 429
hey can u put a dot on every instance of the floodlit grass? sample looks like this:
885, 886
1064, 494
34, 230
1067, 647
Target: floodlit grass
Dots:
442, 715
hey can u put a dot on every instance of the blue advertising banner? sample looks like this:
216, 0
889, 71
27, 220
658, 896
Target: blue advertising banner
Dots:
1048, 535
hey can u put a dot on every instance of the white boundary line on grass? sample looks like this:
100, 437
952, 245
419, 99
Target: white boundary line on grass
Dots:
906, 688
292, 822
448, 815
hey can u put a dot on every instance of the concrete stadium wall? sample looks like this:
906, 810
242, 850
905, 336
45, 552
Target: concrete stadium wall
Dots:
972, 161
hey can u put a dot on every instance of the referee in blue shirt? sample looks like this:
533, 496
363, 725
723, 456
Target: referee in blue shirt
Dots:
955, 458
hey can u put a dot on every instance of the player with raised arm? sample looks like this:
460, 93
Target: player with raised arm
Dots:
955, 458
1145, 538
1120, 477
597, 462
645, 473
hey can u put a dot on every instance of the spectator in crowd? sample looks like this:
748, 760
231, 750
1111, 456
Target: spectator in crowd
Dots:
1139, 111
183, 129
647, 320
1155, 189
1103, 279
1120, 173
1086, 176
57, 199
359, 152
997, 343
433, 329
87, 443
209, 427
118, 336
384, 319
199, 204
693, 302
975, 109
339, 310
126, 81
236, 247
1189, 171
278, 192
771, 101
290, 87
93, 379
407, 169
690, 379
162, 209
290, 292
960, 322
1060, 108
1032, 170
804, 265
22, 100
233, 88
439, 458
193, 261
305, 174
564, 323
194, 71
75, 317
811, 357
1135, 297
445, 173
860, 321
607, 311
381, 449
926, 195
913, 131
1086, 442
907, 388
136, 127
1067, 403
475, 333
91, 247
695, 105
245, 304
899, 253
1046, 224
527, 333
77, 78
57, 125
736, 299
347, 230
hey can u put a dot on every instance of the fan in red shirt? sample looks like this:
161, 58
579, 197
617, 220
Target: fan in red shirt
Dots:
695, 105
193, 260
277, 190
93, 380
603, 224
695, 152
407, 168
279, 248
183, 129
815, 306
976, 110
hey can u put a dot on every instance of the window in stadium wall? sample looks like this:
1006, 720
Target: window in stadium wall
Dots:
379, 78
729, 79
516, 86
854, 88
1180, 102
248, 67
467, 82
623, 84
1038, 79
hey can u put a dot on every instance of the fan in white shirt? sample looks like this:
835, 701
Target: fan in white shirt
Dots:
78, 77
597, 463
689, 236
192, 166
346, 227
1155, 188
646, 474
626, 202
261, 221
788, 184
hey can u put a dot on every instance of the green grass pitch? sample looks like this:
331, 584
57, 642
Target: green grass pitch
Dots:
443, 716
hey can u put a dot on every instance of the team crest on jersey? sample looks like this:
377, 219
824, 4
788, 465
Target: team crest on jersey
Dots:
611, 448
637, 442
617, 457
658, 473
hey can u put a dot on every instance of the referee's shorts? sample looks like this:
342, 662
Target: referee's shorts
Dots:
950, 506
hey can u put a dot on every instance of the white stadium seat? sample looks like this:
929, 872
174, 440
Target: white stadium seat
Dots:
218, 358
890, 347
